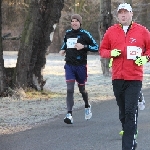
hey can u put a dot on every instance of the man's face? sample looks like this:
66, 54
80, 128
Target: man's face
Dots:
75, 24
125, 17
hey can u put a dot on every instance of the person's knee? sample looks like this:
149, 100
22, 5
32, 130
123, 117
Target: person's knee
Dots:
70, 87
82, 89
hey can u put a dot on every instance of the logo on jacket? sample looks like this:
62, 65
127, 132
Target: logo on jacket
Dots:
132, 40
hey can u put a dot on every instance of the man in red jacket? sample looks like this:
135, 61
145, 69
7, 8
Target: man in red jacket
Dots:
128, 43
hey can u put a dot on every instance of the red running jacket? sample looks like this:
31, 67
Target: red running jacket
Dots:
115, 38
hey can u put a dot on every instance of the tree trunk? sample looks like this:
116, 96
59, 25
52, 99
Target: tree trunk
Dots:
2, 75
105, 22
25, 51
129, 2
35, 40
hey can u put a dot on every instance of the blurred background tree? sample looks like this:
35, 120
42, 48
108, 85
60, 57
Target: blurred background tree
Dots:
40, 18
105, 23
2, 75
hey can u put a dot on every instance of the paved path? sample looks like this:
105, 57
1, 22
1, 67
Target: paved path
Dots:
99, 133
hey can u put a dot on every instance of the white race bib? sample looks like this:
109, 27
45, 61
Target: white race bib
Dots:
133, 51
71, 42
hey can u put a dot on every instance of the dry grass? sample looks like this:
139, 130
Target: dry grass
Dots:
33, 94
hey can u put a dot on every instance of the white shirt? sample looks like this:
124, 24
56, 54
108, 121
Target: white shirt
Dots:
125, 28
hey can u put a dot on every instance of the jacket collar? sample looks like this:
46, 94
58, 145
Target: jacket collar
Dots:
75, 31
128, 27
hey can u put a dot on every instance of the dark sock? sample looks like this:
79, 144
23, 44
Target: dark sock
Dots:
87, 106
70, 112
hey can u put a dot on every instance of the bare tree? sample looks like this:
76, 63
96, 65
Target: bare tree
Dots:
2, 76
105, 22
42, 15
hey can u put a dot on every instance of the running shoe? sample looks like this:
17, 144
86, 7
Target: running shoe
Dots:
68, 119
88, 113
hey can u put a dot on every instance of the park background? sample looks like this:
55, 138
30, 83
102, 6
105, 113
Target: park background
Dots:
21, 111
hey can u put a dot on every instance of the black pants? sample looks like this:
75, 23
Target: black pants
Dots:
127, 94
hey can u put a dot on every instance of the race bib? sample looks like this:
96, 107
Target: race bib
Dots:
71, 42
133, 51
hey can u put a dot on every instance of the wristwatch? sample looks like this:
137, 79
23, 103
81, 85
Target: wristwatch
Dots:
85, 46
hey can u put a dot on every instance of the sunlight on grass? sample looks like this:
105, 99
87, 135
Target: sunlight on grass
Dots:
32, 94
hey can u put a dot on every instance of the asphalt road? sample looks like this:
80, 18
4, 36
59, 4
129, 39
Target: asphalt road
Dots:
99, 133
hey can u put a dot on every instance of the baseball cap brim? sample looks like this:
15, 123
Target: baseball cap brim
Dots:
125, 6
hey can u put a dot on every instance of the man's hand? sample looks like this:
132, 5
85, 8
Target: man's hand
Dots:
62, 52
115, 52
79, 46
141, 60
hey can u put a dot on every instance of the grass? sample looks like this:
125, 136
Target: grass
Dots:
32, 94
